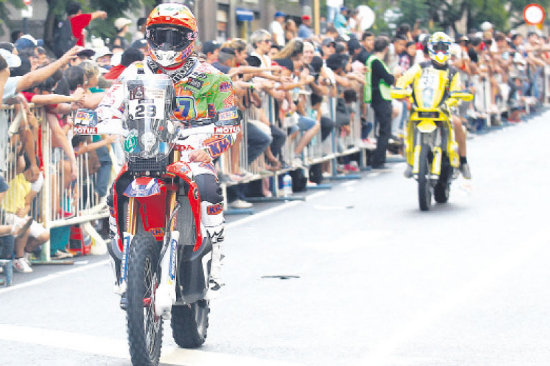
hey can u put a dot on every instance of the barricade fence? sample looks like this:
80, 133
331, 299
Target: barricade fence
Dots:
67, 197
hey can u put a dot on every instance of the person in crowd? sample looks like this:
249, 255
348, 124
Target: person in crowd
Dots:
140, 34
304, 30
341, 22
333, 8
408, 57
79, 20
122, 26
276, 28
377, 93
395, 49
291, 30
15, 35
210, 49
129, 56
17, 205
103, 59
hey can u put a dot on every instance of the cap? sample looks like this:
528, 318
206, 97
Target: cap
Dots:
485, 26
306, 17
24, 43
209, 47
279, 14
104, 51
12, 60
121, 22
327, 41
463, 37
87, 52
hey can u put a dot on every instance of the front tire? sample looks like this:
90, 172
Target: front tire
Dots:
190, 323
443, 187
144, 327
424, 185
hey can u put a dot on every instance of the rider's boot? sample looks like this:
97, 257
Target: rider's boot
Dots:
217, 257
408, 173
464, 168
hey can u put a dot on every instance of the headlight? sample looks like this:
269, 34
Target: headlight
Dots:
148, 141
428, 97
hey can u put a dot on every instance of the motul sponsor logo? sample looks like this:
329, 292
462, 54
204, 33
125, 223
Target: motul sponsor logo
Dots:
85, 130
184, 148
226, 130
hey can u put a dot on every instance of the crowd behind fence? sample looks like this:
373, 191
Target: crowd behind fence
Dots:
302, 113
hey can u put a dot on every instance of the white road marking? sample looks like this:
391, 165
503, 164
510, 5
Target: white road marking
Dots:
53, 276
85, 267
118, 348
383, 353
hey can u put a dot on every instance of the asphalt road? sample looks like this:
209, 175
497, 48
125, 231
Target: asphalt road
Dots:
372, 280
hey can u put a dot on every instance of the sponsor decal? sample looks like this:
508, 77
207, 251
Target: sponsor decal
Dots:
131, 141
214, 209
158, 232
225, 87
226, 130
173, 246
85, 130
228, 115
199, 75
195, 83
218, 145
229, 101
211, 111
181, 147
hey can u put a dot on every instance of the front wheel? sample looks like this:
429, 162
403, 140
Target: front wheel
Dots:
144, 326
424, 185
190, 323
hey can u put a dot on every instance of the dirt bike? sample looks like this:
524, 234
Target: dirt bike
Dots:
164, 254
431, 149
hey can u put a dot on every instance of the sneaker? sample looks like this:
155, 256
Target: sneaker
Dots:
408, 173
351, 168
465, 170
240, 204
369, 144
20, 265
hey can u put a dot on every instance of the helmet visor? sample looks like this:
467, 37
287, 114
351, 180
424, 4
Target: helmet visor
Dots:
169, 37
441, 47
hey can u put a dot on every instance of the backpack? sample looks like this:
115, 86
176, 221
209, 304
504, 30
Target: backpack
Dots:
63, 39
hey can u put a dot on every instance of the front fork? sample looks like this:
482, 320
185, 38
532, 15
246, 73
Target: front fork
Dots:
165, 295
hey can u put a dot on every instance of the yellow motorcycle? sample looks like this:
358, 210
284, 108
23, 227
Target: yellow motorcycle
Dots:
430, 146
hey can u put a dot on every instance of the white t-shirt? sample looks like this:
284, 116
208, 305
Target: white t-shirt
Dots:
10, 88
277, 30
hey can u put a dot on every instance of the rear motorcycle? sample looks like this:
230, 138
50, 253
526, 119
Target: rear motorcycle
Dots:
162, 254
430, 144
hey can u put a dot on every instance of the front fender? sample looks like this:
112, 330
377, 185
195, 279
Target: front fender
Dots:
426, 126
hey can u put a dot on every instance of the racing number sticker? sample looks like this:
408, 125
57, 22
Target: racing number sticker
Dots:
185, 107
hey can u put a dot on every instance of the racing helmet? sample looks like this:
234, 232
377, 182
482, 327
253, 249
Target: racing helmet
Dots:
171, 31
439, 46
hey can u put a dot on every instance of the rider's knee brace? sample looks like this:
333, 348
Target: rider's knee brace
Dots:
211, 206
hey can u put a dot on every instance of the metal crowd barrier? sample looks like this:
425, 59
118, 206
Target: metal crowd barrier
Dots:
60, 202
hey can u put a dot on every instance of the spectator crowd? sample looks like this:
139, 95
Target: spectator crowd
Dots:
294, 88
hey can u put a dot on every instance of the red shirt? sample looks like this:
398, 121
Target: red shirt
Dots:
78, 23
115, 72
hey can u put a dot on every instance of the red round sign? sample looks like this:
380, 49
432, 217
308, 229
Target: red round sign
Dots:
533, 14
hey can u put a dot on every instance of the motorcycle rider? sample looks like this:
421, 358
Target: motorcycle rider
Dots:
439, 46
202, 93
